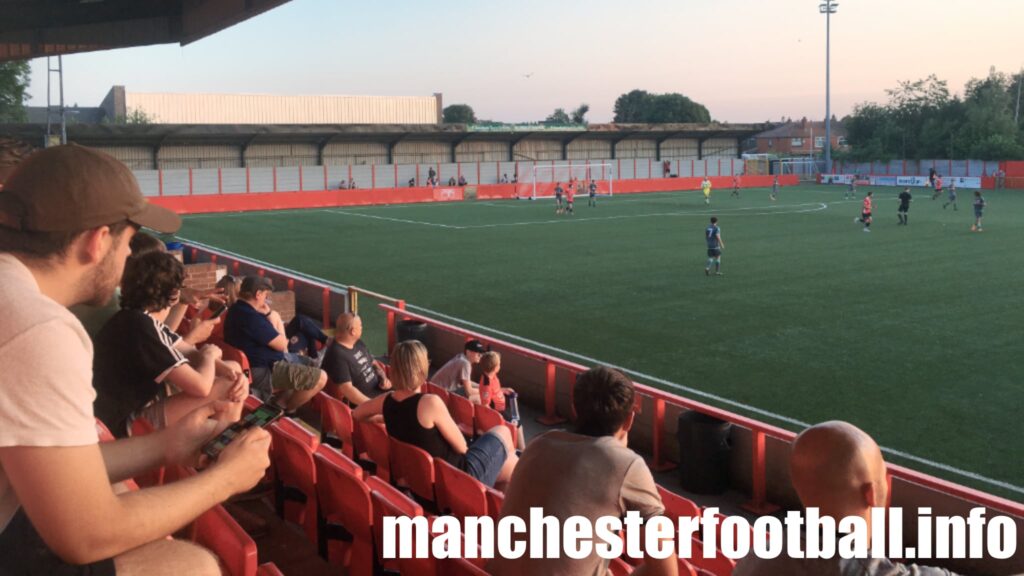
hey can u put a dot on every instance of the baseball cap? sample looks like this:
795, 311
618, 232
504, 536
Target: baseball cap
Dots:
70, 188
475, 346
253, 284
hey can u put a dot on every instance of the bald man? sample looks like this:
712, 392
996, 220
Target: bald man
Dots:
353, 372
837, 468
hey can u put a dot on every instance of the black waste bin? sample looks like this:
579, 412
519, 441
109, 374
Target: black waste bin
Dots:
704, 450
412, 330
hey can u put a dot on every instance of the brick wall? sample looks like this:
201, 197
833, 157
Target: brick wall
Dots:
201, 276
284, 303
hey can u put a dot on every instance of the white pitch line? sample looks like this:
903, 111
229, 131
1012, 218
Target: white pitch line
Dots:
818, 206
401, 220
641, 375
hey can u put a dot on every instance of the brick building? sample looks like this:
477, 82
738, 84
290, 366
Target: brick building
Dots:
803, 138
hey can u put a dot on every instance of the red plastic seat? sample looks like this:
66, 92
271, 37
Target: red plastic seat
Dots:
677, 506
458, 492
336, 421
413, 468
485, 418
292, 456
719, 565
344, 500
431, 388
686, 569
388, 501
495, 500
230, 353
374, 440
217, 531
103, 432
619, 567
155, 477
268, 569
461, 567
462, 411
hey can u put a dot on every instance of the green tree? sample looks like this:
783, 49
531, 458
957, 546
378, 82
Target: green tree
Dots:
459, 114
642, 106
578, 115
14, 82
559, 116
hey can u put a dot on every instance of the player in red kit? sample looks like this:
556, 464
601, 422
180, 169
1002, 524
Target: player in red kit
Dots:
570, 197
865, 213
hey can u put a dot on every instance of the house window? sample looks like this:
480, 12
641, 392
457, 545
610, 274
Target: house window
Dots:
819, 141
797, 142
841, 141
769, 143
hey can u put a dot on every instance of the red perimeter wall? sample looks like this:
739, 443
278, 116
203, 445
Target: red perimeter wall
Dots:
210, 203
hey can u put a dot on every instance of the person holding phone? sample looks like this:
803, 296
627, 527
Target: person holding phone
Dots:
67, 214
137, 356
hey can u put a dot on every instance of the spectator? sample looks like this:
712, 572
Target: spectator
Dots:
352, 184
66, 217
412, 182
455, 376
462, 180
493, 395
255, 329
838, 469
451, 181
356, 375
589, 473
431, 176
504, 178
93, 318
423, 420
227, 288
343, 185
137, 356
303, 336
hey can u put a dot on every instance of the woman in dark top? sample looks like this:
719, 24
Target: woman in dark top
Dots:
423, 421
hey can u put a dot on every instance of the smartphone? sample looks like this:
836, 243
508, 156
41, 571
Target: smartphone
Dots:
261, 417
219, 313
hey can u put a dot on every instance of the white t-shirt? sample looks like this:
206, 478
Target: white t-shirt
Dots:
46, 391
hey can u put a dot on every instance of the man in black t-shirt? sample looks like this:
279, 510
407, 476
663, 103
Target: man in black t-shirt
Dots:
905, 199
349, 364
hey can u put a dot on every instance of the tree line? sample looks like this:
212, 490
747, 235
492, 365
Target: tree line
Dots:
923, 120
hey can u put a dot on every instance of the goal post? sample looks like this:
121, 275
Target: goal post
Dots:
806, 169
540, 182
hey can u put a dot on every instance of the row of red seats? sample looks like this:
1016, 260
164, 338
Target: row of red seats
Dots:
215, 530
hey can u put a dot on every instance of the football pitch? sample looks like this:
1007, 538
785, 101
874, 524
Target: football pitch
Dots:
911, 332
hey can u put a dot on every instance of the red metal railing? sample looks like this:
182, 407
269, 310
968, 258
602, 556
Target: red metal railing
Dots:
759, 430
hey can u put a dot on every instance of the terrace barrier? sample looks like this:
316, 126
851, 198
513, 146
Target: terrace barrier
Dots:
760, 431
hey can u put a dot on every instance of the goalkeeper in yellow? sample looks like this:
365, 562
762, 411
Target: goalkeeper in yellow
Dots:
706, 187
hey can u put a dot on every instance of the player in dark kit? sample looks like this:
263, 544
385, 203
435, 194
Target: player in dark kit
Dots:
558, 198
593, 194
713, 235
905, 199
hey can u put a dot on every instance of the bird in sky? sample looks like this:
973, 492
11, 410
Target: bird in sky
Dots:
527, 76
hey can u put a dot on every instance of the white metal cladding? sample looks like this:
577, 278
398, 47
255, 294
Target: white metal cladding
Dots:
134, 157
149, 181
356, 153
287, 179
175, 182
204, 181
720, 148
203, 156
490, 172
679, 148
635, 148
233, 180
335, 174
588, 149
407, 152
313, 177
537, 149
361, 175
261, 179
449, 170
281, 155
407, 172
271, 109
624, 168
481, 151
506, 170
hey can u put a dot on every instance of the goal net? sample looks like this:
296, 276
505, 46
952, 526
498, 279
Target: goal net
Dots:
807, 170
756, 164
540, 182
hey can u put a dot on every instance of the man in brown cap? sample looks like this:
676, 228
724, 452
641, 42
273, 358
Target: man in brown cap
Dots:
66, 217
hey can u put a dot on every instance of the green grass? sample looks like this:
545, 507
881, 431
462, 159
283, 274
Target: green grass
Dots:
912, 333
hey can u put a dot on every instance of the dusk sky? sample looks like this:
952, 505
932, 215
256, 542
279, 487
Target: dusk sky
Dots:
746, 60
